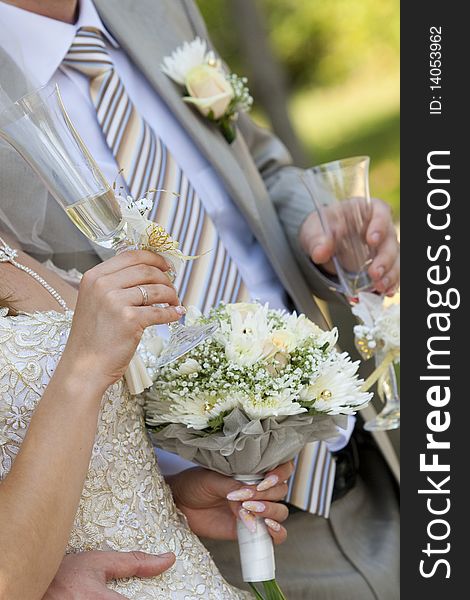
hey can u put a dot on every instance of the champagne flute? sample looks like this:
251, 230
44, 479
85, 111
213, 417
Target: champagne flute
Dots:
40, 130
340, 193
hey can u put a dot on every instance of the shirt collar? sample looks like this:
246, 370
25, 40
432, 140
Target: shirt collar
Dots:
39, 43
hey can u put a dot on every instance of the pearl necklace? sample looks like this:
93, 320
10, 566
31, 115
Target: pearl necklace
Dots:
8, 254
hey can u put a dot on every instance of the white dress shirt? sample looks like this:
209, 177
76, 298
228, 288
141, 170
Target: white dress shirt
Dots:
39, 44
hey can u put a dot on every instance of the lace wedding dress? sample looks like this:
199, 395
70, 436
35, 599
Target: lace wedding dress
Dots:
126, 504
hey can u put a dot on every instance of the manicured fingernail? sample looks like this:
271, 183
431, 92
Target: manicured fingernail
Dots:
165, 555
386, 282
274, 525
267, 483
254, 506
380, 272
375, 237
248, 520
180, 310
243, 494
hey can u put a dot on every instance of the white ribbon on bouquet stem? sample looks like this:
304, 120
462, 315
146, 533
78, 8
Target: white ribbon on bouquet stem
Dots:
256, 549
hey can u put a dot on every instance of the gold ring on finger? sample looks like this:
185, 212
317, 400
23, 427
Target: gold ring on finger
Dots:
145, 295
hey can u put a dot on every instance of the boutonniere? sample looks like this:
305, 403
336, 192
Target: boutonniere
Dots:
219, 96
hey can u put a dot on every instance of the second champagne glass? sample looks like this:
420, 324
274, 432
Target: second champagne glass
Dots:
340, 193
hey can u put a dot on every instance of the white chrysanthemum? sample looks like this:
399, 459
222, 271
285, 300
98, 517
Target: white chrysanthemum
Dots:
275, 405
197, 410
247, 337
186, 57
337, 389
248, 365
304, 328
328, 337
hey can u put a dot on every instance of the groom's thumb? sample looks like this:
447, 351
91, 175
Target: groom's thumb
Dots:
120, 565
322, 249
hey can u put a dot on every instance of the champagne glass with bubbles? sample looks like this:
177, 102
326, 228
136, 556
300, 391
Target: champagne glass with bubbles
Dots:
340, 193
39, 128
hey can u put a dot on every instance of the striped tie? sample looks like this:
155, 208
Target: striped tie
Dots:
311, 487
146, 163
213, 278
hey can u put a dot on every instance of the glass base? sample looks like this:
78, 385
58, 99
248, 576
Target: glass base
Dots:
184, 338
385, 421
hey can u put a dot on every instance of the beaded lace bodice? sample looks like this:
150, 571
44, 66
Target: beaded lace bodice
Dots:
126, 504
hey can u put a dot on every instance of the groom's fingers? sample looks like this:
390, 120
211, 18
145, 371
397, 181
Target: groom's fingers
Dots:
391, 279
322, 249
387, 254
379, 224
120, 565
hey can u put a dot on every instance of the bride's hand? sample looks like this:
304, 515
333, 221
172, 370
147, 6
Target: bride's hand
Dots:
213, 502
110, 317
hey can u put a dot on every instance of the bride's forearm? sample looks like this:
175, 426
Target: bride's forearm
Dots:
40, 495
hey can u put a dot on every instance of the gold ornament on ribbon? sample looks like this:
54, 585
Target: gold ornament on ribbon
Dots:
143, 233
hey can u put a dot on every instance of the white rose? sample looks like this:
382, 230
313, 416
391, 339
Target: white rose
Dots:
283, 340
189, 366
279, 404
209, 90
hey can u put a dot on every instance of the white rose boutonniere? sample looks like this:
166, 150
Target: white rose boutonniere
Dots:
217, 95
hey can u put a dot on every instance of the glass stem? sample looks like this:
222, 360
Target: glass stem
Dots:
391, 389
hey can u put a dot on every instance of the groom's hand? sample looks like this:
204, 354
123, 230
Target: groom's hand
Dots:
384, 270
212, 502
83, 576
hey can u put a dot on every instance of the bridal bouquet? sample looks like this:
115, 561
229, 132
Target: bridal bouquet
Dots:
249, 398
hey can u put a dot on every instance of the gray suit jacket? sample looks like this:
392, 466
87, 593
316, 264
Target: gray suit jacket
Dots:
256, 169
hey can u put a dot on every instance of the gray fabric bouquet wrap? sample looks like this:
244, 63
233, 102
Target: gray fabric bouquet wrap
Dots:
248, 399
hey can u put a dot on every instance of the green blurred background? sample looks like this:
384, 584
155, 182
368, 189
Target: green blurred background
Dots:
324, 75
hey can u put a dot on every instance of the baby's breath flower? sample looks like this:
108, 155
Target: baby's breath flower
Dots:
240, 367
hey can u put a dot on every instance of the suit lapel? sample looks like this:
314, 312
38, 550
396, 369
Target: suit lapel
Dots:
149, 31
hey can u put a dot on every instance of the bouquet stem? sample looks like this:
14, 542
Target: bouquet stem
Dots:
271, 591
257, 554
